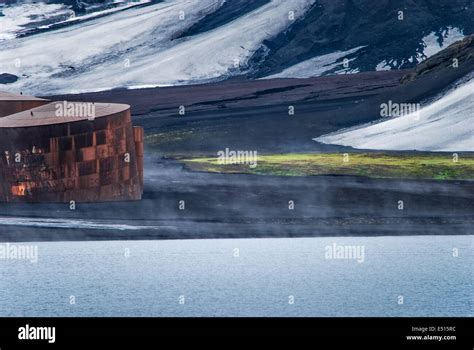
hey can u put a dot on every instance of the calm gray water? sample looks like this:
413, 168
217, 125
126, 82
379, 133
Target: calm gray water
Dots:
267, 273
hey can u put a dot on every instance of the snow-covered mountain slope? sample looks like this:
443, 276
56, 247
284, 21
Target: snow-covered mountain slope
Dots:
65, 46
333, 63
431, 45
30, 17
317, 66
447, 124
395, 33
16, 19
137, 47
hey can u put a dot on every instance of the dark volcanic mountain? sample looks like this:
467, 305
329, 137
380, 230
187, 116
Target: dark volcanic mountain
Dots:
386, 34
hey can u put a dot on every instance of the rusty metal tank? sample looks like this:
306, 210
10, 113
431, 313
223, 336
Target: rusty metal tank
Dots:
71, 151
14, 103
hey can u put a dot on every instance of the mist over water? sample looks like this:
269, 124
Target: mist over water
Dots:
245, 277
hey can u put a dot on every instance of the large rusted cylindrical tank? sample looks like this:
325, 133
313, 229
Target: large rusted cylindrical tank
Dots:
70, 151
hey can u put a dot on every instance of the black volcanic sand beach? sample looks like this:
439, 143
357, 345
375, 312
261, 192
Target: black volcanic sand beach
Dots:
253, 115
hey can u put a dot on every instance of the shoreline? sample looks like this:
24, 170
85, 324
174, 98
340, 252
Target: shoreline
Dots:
251, 206
243, 237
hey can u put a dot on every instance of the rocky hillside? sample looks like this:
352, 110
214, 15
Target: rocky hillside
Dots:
390, 39
459, 55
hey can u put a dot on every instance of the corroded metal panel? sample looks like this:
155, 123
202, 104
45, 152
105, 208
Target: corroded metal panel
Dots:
138, 136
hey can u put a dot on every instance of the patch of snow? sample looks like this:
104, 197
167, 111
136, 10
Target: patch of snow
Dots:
431, 45
435, 42
17, 16
316, 66
446, 124
348, 71
126, 5
383, 66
